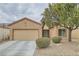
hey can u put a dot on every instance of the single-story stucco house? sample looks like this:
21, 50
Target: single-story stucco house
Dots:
27, 29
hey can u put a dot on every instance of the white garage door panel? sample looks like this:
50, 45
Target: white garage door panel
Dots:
25, 34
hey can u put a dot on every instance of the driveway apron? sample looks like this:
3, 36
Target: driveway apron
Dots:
17, 48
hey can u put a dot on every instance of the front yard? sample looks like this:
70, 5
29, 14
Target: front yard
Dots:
64, 48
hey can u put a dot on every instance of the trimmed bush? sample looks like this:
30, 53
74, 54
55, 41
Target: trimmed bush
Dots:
43, 42
56, 39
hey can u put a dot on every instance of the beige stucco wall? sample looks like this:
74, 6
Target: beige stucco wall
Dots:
27, 25
53, 32
75, 34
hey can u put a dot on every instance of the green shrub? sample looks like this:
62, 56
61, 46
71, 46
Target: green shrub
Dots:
43, 42
56, 39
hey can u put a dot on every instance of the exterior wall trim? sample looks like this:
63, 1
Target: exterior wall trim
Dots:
25, 29
12, 34
22, 29
24, 19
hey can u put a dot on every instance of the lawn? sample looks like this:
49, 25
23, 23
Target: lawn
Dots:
64, 48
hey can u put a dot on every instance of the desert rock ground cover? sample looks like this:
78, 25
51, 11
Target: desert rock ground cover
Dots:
64, 48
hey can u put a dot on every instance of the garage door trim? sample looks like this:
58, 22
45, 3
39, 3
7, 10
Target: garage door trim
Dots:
23, 29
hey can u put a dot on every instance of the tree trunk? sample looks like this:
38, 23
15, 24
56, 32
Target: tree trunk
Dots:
69, 35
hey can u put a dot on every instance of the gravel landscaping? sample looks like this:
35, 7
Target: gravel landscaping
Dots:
64, 48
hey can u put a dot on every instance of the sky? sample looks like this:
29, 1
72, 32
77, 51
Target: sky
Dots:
10, 12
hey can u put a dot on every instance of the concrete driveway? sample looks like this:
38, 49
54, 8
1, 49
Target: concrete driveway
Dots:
17, 48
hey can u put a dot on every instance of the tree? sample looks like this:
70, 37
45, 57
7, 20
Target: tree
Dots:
45, 18
65, 15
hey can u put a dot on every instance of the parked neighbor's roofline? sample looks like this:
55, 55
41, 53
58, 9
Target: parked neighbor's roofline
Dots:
25, 18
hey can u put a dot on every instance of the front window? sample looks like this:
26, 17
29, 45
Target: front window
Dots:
62, 32
45, 33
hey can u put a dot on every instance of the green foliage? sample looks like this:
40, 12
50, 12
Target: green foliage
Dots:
66, 15
45, 18
43, 42
56, 39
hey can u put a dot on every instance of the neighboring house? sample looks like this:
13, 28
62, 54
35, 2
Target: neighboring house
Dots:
4, 32
27, 29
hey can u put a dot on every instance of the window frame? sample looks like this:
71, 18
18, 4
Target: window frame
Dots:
60, 34
43, 35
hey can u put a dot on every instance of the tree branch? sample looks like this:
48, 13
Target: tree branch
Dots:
75, 28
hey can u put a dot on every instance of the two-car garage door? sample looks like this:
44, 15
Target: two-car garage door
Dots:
25, 34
